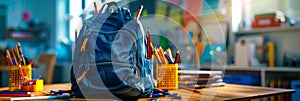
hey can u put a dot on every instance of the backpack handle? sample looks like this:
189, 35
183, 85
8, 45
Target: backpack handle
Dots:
109, 9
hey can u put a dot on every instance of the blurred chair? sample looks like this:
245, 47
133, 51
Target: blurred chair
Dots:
48, 60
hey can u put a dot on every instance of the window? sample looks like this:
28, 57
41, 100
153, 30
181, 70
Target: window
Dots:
77, 9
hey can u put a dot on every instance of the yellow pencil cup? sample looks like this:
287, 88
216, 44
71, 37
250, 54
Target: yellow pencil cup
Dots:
14, 76
167, 76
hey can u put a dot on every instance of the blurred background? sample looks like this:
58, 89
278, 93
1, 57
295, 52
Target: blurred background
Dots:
254, 40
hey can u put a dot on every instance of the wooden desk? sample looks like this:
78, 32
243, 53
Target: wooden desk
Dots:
229, 92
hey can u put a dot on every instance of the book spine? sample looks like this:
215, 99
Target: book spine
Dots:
15, 95
8, 92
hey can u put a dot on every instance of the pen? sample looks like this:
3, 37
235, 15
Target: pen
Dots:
138, 14
96, 9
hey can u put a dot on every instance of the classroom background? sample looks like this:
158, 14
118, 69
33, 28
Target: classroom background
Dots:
253, 42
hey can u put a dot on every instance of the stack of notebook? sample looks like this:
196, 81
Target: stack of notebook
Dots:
200, 79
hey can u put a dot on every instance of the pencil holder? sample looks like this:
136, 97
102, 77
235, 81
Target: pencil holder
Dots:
14, 76
167, 76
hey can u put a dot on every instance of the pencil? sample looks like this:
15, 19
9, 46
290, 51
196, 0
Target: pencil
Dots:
21, 72
138, 14
169, 59
8, 61
157, 57
190, 89
9, 57
17, 53
96, 9
31, 62
169, 52
14, 57
21, 53
161, 54
149, 49
178, 57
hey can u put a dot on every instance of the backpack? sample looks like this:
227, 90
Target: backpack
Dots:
110, 57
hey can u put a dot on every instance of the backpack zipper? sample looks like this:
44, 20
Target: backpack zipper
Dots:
114, 63
86, 39
83, 74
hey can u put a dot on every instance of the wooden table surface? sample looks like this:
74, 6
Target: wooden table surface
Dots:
229, 92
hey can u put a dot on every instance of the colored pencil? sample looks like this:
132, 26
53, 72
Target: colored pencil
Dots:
178, 57
138, 14
96, 9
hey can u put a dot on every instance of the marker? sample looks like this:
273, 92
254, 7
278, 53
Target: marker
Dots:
138, 14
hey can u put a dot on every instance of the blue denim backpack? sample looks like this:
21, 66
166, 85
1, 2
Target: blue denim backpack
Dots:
110, 57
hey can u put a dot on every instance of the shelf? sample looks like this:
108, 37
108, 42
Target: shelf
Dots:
26, 40
266, 30
242, 68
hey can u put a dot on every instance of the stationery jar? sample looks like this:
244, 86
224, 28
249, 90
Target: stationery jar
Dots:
167, 76
15, 76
